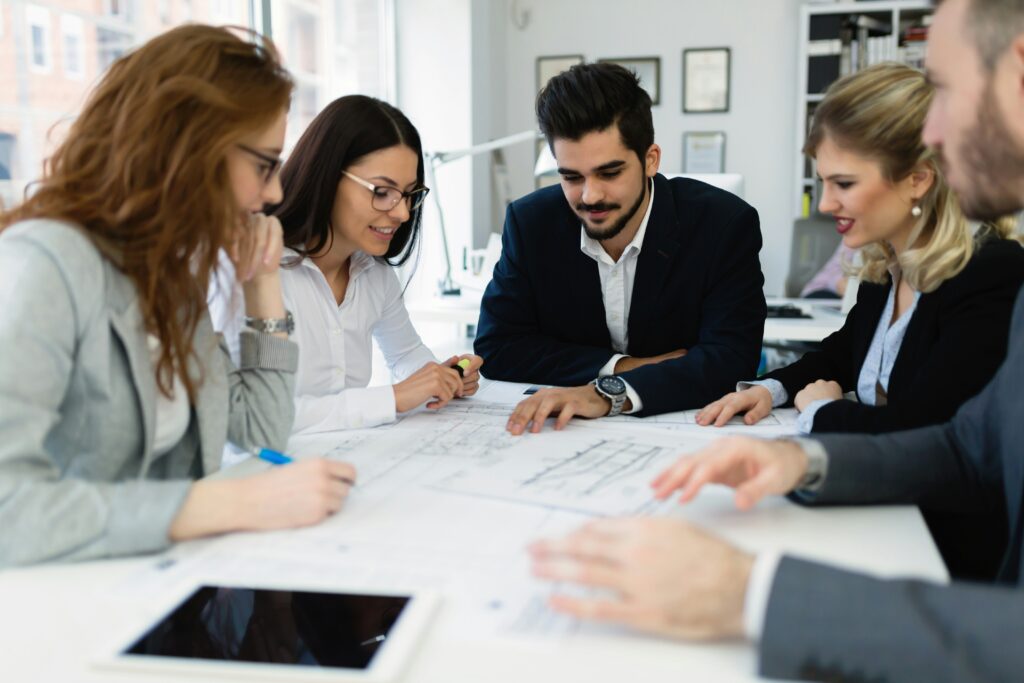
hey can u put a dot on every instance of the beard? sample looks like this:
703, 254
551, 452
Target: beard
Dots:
619, 225
993, 165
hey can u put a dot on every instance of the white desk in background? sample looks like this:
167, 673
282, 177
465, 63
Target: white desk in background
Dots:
464, 310
427, 515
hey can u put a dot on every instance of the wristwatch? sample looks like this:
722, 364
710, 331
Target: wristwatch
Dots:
817, 464
272, 325
612, 388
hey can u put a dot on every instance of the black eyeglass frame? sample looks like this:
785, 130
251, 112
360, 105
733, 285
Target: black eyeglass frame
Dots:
273, 163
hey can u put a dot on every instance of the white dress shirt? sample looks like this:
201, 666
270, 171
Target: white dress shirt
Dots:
335, 342
617, 278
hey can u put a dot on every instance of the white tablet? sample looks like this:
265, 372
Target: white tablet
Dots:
269, 633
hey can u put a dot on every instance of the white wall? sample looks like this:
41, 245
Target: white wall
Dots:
760, 139
466, 75
434, 78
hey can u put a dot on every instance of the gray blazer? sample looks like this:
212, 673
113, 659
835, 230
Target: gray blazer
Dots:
78, 478
827, 624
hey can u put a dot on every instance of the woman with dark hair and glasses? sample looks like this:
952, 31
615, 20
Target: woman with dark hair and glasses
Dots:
353, 191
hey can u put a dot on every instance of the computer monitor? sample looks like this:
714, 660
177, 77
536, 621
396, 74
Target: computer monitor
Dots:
730, 182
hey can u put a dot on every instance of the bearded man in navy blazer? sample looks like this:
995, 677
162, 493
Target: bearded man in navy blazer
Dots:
637, 293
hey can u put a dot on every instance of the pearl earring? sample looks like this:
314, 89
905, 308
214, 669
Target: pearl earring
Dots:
915, 211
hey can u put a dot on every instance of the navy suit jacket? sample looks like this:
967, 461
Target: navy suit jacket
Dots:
698, 286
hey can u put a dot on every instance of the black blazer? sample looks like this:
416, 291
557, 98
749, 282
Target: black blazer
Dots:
698, 286
953, 345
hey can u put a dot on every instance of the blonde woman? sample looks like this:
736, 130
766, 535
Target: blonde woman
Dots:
932, 316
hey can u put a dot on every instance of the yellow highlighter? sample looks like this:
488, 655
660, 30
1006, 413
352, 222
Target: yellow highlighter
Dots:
461, 367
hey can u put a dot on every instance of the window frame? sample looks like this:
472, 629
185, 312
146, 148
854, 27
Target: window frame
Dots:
41, 18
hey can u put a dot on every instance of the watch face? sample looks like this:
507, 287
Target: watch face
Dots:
612, 385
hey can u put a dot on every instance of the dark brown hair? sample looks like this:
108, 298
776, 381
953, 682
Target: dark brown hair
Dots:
346, 130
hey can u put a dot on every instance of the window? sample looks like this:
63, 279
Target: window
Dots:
333, 48
110, 45
72, 46
40, 50
118, 8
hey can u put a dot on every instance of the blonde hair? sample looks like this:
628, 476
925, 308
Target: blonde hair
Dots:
879, 112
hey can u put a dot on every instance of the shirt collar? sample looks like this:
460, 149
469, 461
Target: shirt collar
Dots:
593, 248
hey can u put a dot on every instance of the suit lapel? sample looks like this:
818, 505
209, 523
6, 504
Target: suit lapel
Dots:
658, 256
871, 312
583, 281
126, 322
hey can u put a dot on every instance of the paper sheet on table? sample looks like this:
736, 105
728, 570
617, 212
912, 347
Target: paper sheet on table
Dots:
449, 501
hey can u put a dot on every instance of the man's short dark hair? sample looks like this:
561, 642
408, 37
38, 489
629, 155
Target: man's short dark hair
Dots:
591, 97
993, 25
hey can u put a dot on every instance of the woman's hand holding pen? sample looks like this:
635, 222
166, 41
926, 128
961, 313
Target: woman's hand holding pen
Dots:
437, 383
299, 494
470, 366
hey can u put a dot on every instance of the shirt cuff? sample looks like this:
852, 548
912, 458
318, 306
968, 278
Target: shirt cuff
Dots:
805, 421
609, 367
779, 394
267, 352
759, 589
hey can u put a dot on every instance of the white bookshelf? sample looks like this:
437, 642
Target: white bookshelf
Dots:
817, 43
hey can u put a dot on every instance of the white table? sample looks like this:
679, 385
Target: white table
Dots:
54, 618
825, 317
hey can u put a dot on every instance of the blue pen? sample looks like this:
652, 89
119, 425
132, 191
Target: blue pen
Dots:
271, 456
276, 458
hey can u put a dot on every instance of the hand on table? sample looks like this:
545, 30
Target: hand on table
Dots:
755, 402
664, 576
566, 403
822, 390
754, 467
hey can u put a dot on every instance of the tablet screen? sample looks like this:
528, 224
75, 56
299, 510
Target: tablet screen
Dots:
275, 627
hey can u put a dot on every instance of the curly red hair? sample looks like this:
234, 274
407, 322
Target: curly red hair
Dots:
143, 170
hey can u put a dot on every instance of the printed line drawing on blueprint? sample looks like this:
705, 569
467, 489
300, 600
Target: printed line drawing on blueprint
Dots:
420, 448
582, 470
458, 434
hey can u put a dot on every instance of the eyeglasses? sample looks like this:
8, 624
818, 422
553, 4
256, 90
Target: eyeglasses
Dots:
269, 166
386, 198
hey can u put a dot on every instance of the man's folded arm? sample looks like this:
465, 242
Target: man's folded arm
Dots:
732, 317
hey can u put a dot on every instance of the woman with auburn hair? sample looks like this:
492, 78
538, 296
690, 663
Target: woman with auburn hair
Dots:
353, 191
932, 318
114, 392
